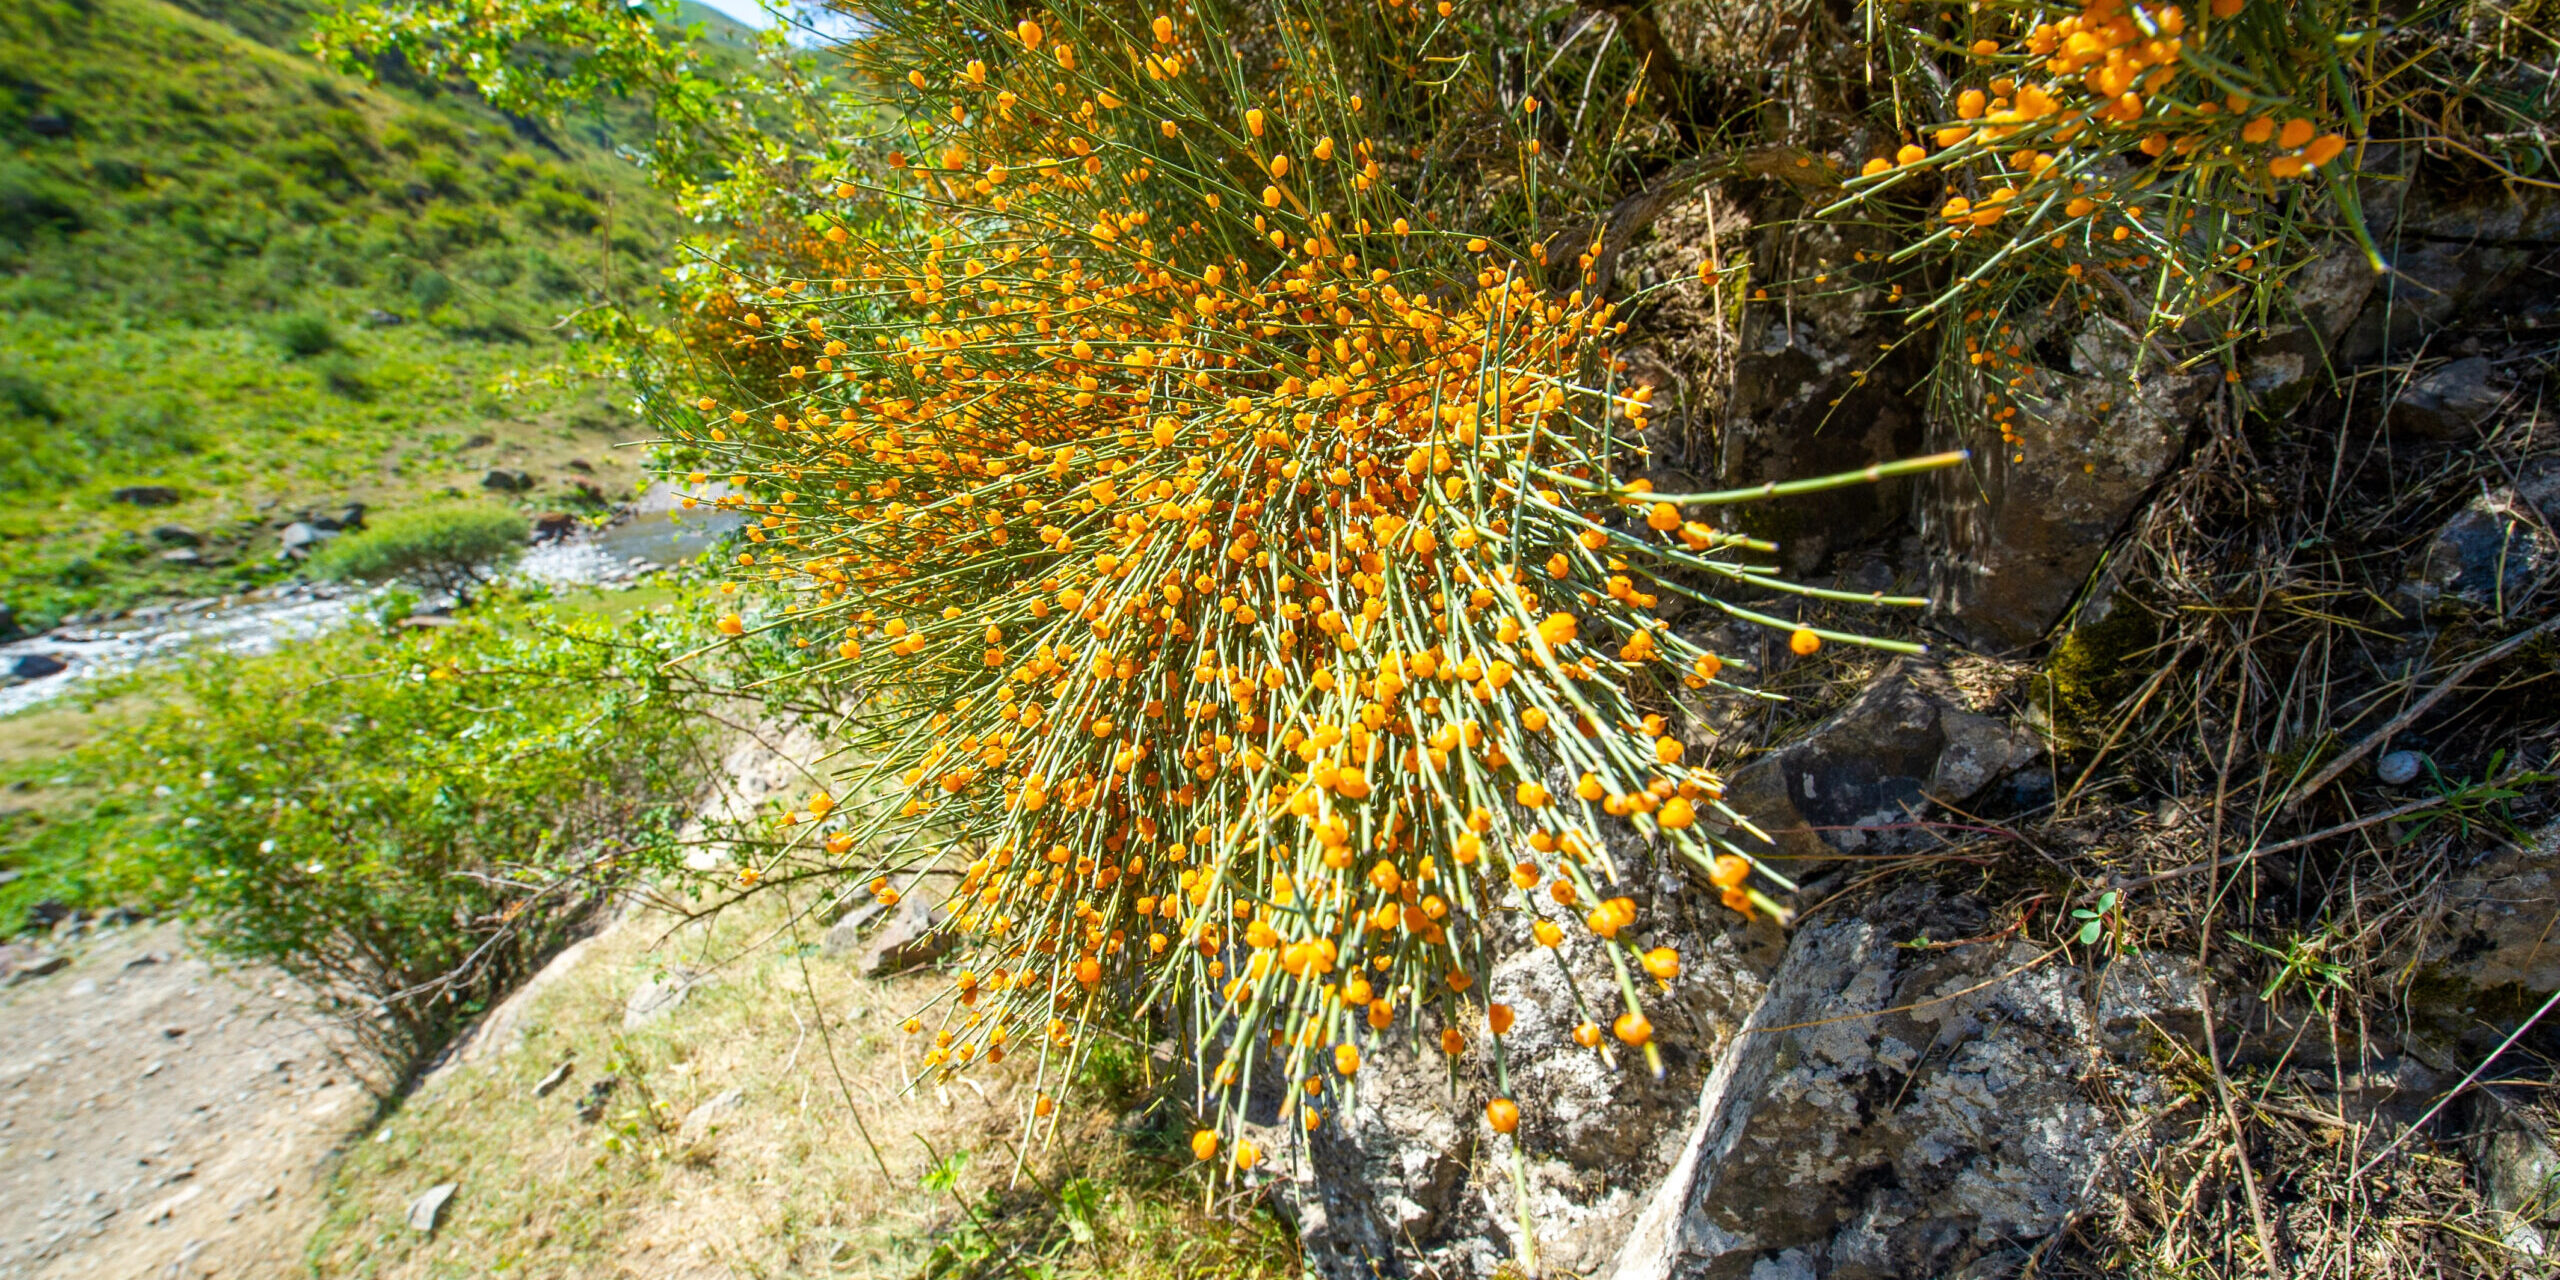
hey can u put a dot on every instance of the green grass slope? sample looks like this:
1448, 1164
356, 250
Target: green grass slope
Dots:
227, 270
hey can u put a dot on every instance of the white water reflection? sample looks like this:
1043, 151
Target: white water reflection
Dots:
252, 622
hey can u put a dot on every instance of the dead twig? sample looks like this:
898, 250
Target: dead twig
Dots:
2282, 846
2416, 709
2239, 1136
2456, 1091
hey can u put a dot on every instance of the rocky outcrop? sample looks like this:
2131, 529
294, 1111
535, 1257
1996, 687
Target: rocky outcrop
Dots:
1890, 1101
2453, 255
1407, 1179
2015, 534
1858, 782
1899, 1110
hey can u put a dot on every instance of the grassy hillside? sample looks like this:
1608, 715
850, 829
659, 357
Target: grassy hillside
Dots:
227, 270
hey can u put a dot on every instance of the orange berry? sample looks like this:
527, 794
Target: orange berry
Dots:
1346, 1058
1503, 1114
1663, 963
1204, 1144
1804, 642
1633, 1028
1587, 1035
1452, 1042
1498, 1017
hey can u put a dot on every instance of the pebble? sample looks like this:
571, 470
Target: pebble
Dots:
2400, 767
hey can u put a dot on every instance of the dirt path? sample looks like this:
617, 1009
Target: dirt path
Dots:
161, 1118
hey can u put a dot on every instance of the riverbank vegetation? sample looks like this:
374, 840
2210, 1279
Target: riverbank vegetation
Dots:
235, 276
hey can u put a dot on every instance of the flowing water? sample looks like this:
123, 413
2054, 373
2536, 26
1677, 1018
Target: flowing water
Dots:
659, 533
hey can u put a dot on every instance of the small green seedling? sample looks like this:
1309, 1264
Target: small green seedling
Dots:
2094, 922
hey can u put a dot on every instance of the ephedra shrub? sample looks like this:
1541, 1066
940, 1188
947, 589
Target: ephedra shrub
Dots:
1193, 439
1224, 519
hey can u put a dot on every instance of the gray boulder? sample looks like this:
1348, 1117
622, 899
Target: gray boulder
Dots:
2510, 1145
2493, 550
1808, 397
2286, 359
301, 537
1857, 782
2455, 252
659, 997
2490, 959
2450, 403
705, 1119
1897, 1112
36, 666
2015, 533
847, 935
912, 935
428, 1208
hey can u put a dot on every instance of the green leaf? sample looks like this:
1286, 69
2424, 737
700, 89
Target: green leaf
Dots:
946, 1174
2089, 932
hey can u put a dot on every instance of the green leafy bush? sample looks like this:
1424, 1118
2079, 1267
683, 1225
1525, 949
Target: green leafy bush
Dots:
453, 548
406, 824
304, 335
345, 376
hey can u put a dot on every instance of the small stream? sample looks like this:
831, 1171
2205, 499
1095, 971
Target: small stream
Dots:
658, 533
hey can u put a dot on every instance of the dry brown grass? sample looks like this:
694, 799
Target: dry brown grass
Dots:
2267, 645
829, 1167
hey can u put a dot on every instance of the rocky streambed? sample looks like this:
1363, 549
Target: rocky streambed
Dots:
648, 537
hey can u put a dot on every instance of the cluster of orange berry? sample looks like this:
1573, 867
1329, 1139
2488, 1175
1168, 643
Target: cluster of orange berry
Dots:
2041, 210
1237, 570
